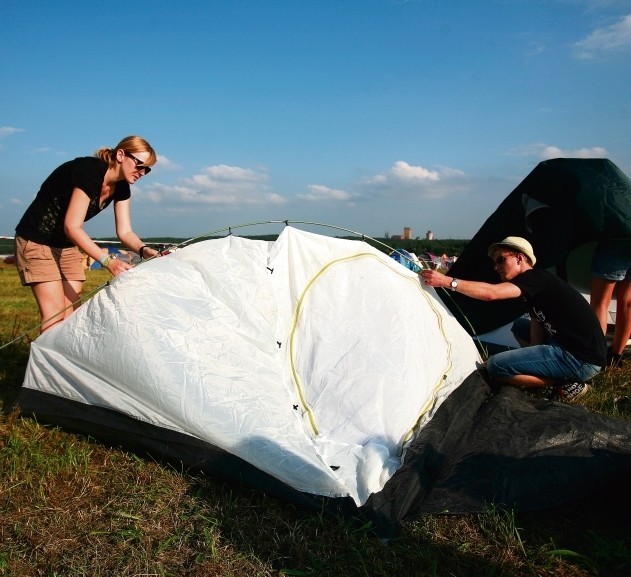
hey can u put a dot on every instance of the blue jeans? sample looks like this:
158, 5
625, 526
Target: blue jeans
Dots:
612, 260
548, 361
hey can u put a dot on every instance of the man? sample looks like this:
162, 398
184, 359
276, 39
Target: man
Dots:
564, 347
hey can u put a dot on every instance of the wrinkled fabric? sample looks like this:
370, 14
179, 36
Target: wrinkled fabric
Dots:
314, 359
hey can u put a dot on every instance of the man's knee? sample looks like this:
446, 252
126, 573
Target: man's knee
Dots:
497, 367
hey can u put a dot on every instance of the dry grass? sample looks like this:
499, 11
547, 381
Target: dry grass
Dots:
70, 506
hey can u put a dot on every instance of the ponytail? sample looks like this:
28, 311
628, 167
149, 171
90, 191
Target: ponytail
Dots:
131, 144
106, 154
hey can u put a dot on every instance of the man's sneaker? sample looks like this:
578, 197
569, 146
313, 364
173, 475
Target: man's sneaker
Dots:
569, 392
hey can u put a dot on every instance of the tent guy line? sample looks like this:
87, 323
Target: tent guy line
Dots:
83, 298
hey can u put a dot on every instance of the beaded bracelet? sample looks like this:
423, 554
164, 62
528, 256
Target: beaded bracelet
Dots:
104, 261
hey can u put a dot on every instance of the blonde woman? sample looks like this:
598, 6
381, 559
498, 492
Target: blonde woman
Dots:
50, 236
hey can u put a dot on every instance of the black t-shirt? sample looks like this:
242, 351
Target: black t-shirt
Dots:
564, 314
43, 221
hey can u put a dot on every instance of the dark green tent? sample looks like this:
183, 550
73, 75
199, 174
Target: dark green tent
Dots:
563, 207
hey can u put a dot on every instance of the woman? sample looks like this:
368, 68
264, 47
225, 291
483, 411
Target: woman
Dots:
50, 234
611, 271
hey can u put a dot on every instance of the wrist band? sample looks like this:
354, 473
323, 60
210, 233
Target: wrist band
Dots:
105, 260
141, 251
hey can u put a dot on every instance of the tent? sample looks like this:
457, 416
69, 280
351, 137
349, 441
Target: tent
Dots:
563, 207
318, 369
298, 356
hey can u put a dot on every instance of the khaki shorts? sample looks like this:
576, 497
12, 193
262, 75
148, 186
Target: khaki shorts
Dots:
40, 263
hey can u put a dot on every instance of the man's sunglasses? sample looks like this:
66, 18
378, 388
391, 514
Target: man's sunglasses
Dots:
139, 164
502, 259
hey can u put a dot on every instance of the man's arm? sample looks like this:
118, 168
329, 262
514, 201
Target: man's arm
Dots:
474, 289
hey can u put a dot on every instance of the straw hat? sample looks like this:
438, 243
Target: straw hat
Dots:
517, 243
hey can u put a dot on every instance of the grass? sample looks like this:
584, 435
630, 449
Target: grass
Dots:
70, 506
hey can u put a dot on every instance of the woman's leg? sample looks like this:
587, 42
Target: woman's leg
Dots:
51, 301
56, 300
600, 297
622, 332
55, 276
72, 292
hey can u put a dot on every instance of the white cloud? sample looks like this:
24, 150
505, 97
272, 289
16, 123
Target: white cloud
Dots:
404, 179
218, 185
165, 163
15, 201
611, 39
546, 152
47, 150
402, 172
9, 130
448, 172
321, 193
555, 152
222, 173
408, 173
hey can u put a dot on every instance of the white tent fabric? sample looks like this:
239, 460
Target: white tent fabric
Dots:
313, 358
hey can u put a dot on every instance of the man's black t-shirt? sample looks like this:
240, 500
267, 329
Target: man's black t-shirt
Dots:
564, 314
43, 221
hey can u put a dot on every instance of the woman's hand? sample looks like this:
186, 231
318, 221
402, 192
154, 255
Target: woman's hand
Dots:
149, 252
117, 266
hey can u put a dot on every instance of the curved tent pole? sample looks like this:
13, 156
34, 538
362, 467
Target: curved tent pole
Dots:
229, 229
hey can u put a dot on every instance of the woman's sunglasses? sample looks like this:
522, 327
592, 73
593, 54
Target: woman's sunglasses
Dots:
139, 164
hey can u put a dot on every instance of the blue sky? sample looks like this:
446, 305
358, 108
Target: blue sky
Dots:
371, 115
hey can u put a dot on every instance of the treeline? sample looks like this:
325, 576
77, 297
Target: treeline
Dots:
449, 246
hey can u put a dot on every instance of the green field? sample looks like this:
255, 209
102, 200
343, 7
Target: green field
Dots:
73, 507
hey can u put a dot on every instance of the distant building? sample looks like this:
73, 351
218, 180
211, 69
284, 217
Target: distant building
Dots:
407, 232
429, 235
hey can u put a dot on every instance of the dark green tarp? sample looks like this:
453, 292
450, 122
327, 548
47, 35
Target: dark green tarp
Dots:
465, 459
